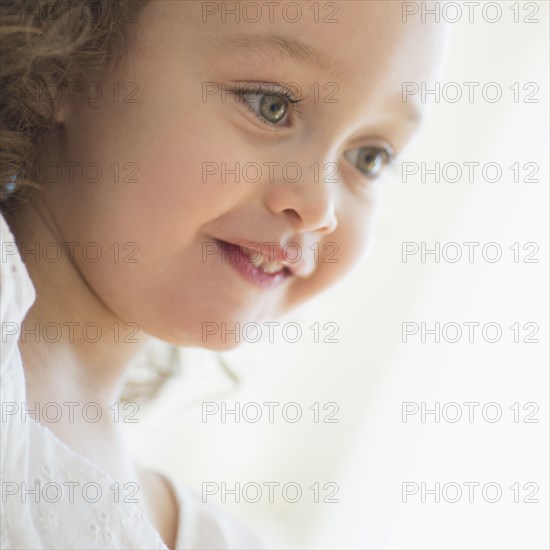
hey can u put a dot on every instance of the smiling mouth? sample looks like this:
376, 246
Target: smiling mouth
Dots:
254, 266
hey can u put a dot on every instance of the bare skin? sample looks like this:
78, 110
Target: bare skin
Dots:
170, 132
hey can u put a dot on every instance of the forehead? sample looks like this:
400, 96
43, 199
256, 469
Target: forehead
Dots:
354, 38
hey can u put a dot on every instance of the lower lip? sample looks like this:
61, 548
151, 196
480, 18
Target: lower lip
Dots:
234, 255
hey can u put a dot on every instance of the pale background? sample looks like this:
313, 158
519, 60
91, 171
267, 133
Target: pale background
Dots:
370, 372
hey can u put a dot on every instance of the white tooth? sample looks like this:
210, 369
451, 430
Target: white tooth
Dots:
259, 260
272, 267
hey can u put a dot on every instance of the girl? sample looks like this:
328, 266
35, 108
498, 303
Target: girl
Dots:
125, 127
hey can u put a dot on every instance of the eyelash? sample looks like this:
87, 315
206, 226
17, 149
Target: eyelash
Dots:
242, 91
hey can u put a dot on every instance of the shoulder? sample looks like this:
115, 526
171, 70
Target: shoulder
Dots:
17, 295
203, 525
17, 292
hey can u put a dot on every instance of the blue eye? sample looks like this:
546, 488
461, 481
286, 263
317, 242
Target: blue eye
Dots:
369, 160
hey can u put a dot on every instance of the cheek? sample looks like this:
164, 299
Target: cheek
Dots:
163, 194
152, 276
338, 253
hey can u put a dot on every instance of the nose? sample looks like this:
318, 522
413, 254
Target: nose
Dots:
306, 195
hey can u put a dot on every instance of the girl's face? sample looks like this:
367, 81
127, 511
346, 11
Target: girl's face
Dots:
189, 164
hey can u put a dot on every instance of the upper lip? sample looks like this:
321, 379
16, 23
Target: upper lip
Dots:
273, 251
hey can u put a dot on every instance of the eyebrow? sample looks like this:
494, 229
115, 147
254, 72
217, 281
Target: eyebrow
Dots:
286, 47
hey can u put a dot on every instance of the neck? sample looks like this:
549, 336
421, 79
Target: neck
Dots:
73, 347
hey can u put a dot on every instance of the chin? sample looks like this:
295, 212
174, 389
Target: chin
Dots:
211, 339
221, 332
220, 346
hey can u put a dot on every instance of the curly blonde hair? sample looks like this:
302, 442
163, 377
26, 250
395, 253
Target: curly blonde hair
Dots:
46, 45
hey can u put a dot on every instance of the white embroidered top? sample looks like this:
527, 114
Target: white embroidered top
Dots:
53, 497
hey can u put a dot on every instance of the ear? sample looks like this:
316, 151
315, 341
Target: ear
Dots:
63, 97
61, 107
60, 115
